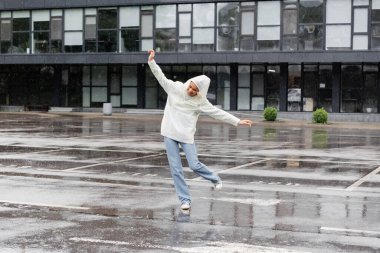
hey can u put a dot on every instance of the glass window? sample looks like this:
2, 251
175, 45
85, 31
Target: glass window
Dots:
294, 88
86, 97
129, 17
243, 99
129, 77
361, 20
244, 76
56, 13
203, 36
56, 28
203, 15
150, 90
130, 25
40, 42
130, 40
90, 34
115, 83
215, 93
268, 13
147, 26
107, 18
86, 81
375, 15
325, 87
129, 96
310, 37
98, 94
361, 2
258, 81
352, 86
107, 30
73, 19
21, 14
338, 36
73, 42
360, 42
228, 30
268, 29
203, 39
310, 87
56, 34
166, 16
107, 41
73, 30
371, 91
375, 4
5, 30
268, 33
223, 77
272, 89
40, 20
338, 11
90, 11
311, 11
289, 43
90, 28
6, 14
166, 40
20, 27
20, 43
185, 24
184, 7
21, 24
99, 75
247, 23
247, 43
290, 22
268, 38
115, 100
146, 44
258, 84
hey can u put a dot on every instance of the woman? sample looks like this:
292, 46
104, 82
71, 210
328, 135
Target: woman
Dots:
184, 104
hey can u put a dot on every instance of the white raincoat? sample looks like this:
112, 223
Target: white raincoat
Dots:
182, 111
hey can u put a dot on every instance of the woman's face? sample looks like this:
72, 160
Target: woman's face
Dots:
192, 89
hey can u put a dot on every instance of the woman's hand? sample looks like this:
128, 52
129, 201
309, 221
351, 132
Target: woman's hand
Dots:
151, 55
245, 122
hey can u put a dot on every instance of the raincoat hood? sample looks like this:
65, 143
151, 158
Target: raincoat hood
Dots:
202, 82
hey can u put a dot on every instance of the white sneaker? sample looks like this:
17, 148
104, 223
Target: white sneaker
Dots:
218, 186
185, 206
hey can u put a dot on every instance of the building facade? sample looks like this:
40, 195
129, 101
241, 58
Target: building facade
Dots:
295, 55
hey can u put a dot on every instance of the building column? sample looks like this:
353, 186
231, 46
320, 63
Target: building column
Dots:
378, 88
141, 85
233, 86
283, 86
57, 79
336, 74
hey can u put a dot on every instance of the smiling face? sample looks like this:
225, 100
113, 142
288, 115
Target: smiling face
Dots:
192, 90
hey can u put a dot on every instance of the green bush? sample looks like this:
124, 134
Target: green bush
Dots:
320, 116
270, 113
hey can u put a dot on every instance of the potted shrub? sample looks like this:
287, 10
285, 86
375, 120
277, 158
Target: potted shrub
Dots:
270, 113
320, 116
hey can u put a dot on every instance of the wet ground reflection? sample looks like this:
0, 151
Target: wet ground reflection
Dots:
102, 184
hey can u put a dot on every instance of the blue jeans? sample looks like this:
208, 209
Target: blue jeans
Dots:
174, 158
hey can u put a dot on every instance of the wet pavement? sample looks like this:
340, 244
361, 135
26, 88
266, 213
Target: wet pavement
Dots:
92, 183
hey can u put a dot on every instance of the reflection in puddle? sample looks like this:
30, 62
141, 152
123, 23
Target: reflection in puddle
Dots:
319, 139
270, 134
